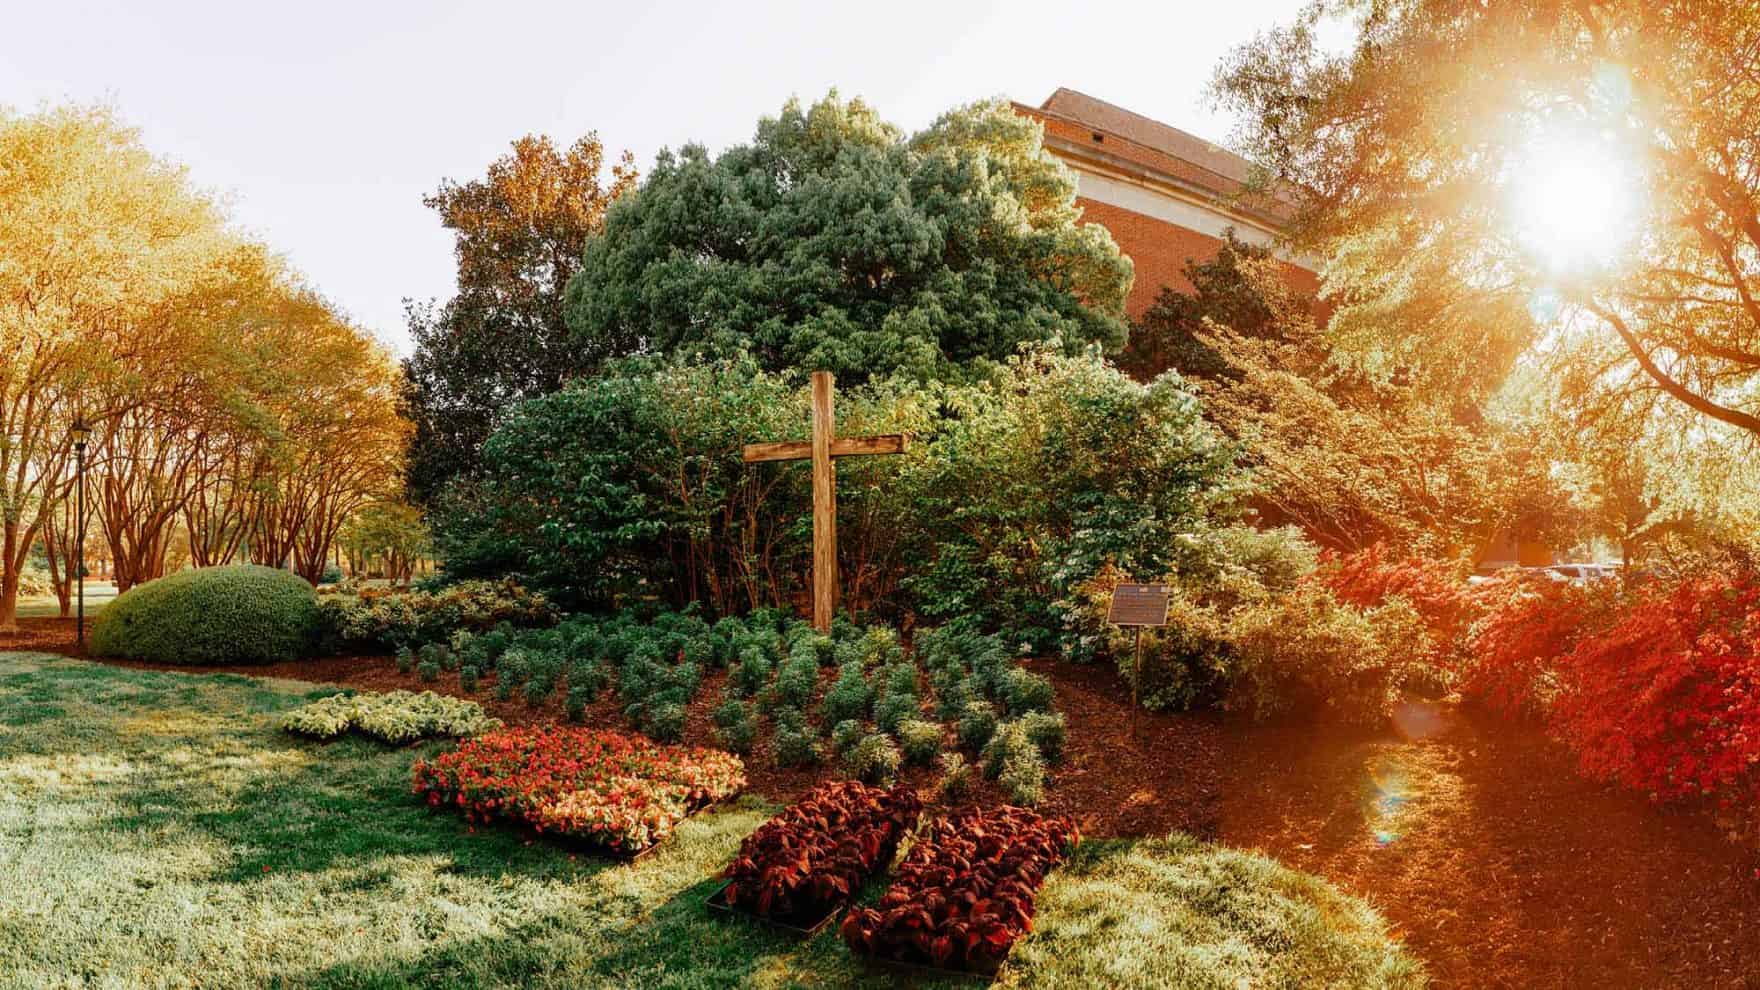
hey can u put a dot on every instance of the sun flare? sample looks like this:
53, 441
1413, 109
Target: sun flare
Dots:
1575, 203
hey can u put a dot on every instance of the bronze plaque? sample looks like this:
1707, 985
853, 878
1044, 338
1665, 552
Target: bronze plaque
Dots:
1139, 605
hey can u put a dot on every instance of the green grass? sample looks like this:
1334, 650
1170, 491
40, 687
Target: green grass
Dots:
98, 595
156, 830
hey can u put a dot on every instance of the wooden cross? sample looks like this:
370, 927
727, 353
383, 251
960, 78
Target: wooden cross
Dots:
822, 450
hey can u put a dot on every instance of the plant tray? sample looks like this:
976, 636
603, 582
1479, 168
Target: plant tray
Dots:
927, 971
717, 902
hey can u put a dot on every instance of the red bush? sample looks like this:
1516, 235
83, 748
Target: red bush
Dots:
622, 792
1437, 589
1529, 623
816, 853
965, 893
1667, 698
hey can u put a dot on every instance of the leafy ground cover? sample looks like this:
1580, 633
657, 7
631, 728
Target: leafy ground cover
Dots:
616, 791
395, 717
966, 892
816, 853
157, 829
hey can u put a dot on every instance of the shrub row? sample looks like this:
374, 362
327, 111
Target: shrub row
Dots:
415, 618
1657, 689
875, 710
965, 893
619, 792
395, 717
813, 856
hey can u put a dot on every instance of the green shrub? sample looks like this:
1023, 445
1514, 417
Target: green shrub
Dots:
919, 740
428, 671
1047, 732
956, 777
587, 678
240, 614
736, 726
574, 706
847, 733
753, 673
952, 691
1307, 651
894, 709
538, 689
848, 698
976, 725
874, 760
406, 660
467, 678
1009, 741
793, 744
1023, 777
665, 721
436, 654
1025, 691
798, 679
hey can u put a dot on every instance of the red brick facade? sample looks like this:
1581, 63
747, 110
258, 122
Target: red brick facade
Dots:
1160, 250
1167, 176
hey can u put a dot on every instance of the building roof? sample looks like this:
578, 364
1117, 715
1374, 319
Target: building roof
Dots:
1141, 143
1151, 134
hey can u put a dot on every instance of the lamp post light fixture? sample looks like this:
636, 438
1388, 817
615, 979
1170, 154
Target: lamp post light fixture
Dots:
82, 433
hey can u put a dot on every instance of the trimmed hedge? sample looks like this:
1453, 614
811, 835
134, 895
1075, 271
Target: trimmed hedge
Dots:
241, 614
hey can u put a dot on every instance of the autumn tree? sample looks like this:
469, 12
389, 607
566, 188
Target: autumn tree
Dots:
391, 534
519, 232
832, 241
1478, 173
213, 381
94, 233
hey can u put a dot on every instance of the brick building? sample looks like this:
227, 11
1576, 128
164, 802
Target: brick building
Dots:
1165, 195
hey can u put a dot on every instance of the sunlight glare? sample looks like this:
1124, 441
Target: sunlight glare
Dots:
1575, 202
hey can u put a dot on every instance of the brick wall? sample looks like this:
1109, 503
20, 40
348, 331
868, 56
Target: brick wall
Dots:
1160, 249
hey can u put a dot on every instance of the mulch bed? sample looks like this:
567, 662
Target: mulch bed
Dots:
1496, 862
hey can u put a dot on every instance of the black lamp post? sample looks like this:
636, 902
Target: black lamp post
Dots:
81, 433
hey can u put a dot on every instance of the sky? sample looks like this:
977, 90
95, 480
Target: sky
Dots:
323, 124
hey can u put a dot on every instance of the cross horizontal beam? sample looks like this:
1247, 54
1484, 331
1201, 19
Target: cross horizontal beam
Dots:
801, 450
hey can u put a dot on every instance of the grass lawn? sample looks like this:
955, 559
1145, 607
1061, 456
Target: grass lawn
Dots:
98, 595
156, 830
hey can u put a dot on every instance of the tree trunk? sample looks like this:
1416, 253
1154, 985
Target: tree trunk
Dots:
9, 576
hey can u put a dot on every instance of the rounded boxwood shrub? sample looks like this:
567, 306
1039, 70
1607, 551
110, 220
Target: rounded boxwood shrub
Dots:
241, 614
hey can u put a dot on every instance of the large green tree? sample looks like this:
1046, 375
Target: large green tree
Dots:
832, 241
520, 229
1488, 176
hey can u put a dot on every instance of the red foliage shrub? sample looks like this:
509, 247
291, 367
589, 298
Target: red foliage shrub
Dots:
1528, 624
965, 893
1437, 589
815, 854
1667, 698
618, 791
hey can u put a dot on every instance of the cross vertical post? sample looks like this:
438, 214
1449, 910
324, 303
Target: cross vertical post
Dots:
824, 505
823, 450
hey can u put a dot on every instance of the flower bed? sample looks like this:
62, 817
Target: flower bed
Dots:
617, 792
965, 893
395, 717
809, 860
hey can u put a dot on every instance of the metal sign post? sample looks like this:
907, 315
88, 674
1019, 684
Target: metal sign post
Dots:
1138, 605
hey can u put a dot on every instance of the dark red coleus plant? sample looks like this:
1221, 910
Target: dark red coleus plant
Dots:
965, 893
817, 852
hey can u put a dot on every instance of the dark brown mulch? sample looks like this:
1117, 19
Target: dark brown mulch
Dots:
1497, 863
